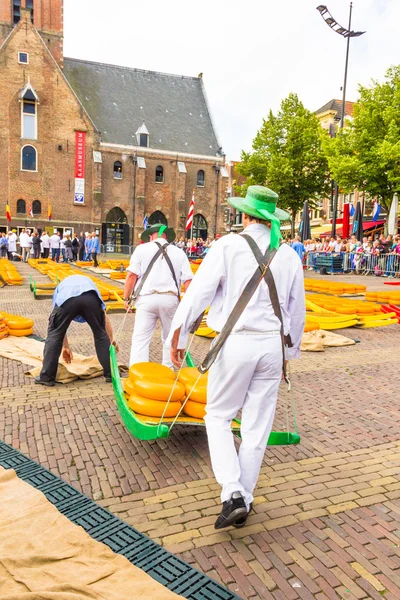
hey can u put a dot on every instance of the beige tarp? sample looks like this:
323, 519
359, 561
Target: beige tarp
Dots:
316, 341
43, 556
30, 352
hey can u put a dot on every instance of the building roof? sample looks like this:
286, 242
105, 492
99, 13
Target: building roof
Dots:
119, 99
336, 106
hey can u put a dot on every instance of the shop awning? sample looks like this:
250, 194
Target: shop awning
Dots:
321, 229
367, 225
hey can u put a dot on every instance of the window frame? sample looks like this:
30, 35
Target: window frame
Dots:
16, 209
29, 170
21, 62
163, 175
145, 135
204, 178
120, 172
36, 104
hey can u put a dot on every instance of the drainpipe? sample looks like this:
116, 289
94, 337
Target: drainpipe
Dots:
217, 170
134, 160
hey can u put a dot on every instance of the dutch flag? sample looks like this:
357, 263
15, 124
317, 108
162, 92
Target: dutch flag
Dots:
376, 211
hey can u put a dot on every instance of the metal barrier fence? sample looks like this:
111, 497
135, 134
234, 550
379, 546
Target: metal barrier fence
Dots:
386, 265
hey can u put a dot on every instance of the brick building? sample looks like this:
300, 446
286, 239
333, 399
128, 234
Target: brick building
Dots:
99, 146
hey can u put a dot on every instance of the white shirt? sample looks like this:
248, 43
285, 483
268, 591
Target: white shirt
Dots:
222, 277
24, 240
337, 246
12, 242
160, 277
45, 241
55, 241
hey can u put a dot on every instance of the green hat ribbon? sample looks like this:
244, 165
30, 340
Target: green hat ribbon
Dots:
276, 236
161, 230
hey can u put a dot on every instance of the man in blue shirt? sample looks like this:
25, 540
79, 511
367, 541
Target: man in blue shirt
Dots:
298, 247
75, 299
95, 249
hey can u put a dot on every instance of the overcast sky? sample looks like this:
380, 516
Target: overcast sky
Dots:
252, 53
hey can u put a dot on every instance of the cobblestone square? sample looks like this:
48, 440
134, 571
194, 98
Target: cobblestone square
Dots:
327, 512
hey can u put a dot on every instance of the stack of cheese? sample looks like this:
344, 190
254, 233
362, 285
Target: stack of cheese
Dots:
196, 386
10, 273
16, 325
3, 328
149, 388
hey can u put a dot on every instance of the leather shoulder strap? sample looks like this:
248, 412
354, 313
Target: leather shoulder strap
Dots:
171, 267
146, 274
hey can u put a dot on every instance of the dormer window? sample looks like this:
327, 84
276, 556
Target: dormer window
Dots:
142, 136
23, 58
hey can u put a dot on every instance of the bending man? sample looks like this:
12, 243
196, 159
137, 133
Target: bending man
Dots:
248, 368
75, 299
158, 287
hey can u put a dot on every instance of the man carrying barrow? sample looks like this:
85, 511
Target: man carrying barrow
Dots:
255, 289
155, 273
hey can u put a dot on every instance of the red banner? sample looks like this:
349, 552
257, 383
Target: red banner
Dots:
80, 139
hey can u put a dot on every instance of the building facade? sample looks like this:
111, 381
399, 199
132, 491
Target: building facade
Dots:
99, 147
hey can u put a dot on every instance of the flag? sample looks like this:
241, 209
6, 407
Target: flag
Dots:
189, 222
49, 213
346, 220
8, 212
146, 222
305, 230
392, 222
376, 211
352, 210
30, 211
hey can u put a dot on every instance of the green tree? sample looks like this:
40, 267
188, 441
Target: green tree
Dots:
288, 157
366, 153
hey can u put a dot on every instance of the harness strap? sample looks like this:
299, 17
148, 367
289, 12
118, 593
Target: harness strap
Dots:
147, 272
239, 307
273, 294
163, 248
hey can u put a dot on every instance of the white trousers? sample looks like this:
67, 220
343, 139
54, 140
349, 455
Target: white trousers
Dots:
245, 375
148, 310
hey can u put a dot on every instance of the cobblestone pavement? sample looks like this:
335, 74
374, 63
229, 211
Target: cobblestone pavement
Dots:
327, 512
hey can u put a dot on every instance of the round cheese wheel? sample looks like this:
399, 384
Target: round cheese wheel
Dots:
189, 375
152, 408
19, 323
159, 390
194, 409
127, 384
198, 393
150, 370
20, 332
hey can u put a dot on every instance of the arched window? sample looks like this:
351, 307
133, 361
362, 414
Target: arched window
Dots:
37, 207
159, 174
116, 215
157, 217
21, 207
200, 178
117, 170
200, 228
28, 158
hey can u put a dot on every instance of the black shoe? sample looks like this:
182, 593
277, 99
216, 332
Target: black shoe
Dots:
42, 382
232, 510
242, 521
108, 380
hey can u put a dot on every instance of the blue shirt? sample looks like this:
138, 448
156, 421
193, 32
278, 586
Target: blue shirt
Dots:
74, 286
95, 247
299, 248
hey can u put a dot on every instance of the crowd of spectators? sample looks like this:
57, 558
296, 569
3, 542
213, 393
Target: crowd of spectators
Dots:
379, 255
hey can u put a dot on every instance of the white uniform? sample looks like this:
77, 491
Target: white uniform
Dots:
158, 297
45, 240
12, 242
25, 245
247, 371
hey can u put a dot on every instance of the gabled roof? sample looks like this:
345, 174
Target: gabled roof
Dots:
336, 106
120, 99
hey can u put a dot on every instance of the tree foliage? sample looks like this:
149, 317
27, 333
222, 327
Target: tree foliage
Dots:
366, 153
288, 157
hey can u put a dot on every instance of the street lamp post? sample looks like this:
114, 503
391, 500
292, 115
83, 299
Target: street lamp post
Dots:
346, 33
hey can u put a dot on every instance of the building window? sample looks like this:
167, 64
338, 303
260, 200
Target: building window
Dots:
37, 207
200, 178
29, 129
23, 58
29, 6
159, 174
143, 140
16, 10
28, 159
21, 207
117, 170
157, 217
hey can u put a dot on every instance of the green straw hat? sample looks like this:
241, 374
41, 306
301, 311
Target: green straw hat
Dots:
159, 228
260, 202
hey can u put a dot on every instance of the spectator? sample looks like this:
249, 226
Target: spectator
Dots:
68, 249
25, 244
82, 241
95, 249
3, 245
45, 244
298, 247
88, 246
36, 245
75, 247
55, 243
12, 244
